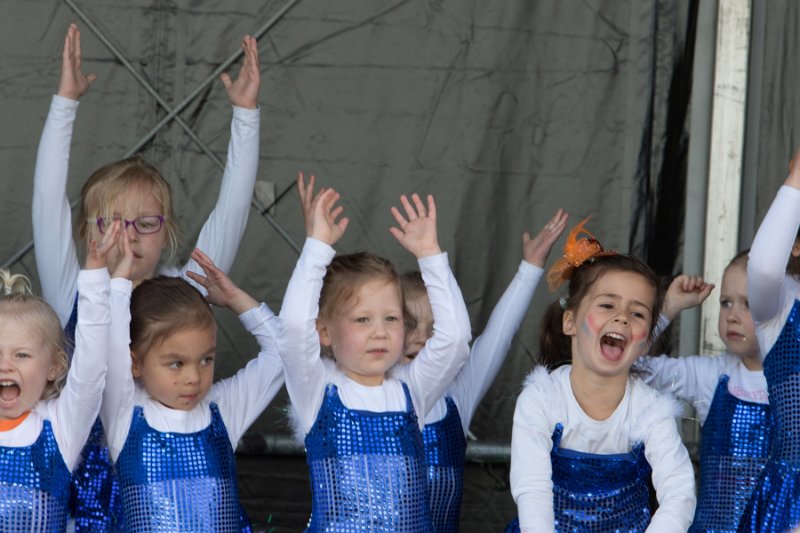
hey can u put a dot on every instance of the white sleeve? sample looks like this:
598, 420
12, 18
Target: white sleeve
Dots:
772, 246
673, 477
531, 466
490, 349
79, 402
56, 256
443, 355
246, 394
304, 370
691, 378
118, 397
223, 230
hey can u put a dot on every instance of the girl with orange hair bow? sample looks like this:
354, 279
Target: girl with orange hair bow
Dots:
587, 434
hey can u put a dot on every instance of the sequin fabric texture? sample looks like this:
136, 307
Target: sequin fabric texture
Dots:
595, 493
367, 470
35, 486
445, 453
95, 501
775, 503
733, 450
174, 482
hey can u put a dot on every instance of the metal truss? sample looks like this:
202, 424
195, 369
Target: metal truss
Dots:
173, 113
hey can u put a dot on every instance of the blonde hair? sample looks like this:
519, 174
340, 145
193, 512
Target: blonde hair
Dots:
103, 188
344, 276
18, 302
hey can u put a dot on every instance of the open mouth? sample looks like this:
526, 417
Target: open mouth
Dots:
9, 391
612, 345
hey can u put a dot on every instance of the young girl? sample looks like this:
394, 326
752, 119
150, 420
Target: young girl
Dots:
45, 413
171, 432
587, 434
773, 291
355, 408
447, 423
134, 192
729, 393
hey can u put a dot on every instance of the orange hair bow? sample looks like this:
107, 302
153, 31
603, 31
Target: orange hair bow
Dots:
576, 252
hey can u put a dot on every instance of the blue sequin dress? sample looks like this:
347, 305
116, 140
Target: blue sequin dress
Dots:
180, 481
34, 485
733, 450
775, 503
367, 470
598, 493
445, 454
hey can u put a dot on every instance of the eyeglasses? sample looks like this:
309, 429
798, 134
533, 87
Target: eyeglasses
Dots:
142, 225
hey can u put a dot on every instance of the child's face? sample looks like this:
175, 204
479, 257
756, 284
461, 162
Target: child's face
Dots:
139, 201
27, 365
736, 327
611, 326
178, 371
419, 306
367, 338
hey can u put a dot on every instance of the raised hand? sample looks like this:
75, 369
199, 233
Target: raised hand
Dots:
97, 256
417, 231
323, 224
684, 293
221, 290
307, 199
535, 250
244, 91
73, 83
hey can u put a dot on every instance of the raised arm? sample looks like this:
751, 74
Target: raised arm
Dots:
56, 256
299, 346
491, 347
79, 402
245, 395
445, 352
223, 230
773, 245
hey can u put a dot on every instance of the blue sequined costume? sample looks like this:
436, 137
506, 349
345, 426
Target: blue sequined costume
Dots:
596, 493
733, 451
367, 470
179, 481
775, 503
94, 502
34, 486
445, 452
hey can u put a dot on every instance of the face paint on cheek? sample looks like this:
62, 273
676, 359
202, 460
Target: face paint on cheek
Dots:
639, 337
589, 325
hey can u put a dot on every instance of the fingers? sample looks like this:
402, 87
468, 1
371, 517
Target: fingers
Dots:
226, 80
201, 280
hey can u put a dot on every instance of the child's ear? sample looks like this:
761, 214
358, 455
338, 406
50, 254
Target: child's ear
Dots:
324, 332
136, 369
568, 322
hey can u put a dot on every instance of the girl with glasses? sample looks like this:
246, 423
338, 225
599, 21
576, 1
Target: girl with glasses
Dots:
136, 193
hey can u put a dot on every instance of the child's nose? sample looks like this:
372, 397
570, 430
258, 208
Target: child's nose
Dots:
190, 375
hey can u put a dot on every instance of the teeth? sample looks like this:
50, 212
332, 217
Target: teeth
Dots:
615, 336
7, 383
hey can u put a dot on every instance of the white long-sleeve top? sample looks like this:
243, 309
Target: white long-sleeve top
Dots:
770, 292
695, 378
240, 398
56, 254
643, 415
73, 412
489, 349
307, 374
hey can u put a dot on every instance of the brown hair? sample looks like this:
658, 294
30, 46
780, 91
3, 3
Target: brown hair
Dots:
793, 266
411, 284
101, 191
555, 348
162, 306
740, 259
18, 303
345, 275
